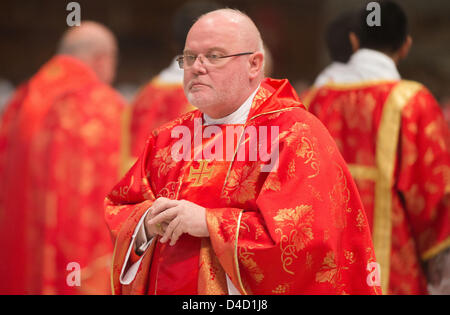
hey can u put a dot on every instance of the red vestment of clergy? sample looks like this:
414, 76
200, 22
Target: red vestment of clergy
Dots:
299, 228
156, 104
394, 138
60, 140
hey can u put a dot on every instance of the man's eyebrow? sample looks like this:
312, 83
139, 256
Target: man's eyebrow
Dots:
219, 49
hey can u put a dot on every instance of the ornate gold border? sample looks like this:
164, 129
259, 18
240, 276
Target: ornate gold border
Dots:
236, 260
386, 154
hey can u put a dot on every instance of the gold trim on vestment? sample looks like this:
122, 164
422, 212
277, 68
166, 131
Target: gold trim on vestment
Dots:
386, 154
311, 94
126, 160
113, 291
363, 172
359, 85
432, 252
236, 260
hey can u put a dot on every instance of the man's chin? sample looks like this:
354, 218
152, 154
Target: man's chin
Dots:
199, 102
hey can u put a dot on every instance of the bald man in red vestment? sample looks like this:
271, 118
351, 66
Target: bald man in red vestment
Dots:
59, 155
248, 194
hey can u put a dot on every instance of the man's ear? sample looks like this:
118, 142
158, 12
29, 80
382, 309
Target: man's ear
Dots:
354, 41
405, 48
256, 64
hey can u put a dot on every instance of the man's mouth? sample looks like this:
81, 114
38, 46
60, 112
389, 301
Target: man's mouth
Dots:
194, 85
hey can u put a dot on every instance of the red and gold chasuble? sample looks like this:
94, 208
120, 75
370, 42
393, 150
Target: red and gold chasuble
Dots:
60, 155
299, 228
395, 140
156, 104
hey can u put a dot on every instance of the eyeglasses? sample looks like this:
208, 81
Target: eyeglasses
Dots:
187, 61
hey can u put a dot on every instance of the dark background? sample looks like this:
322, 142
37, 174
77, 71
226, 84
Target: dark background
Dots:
292, 29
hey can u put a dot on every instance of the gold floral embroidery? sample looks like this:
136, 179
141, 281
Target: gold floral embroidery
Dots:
309, 261
350, 105
330, 272
299, 221
360, 220
350, 256
281, 289
428, 157
245, 257
163, 161
92, 132
169, 191
340, 196
414, 200
432, 131
226, 225
315, 192
261, 96
410, 151
176, 122
241, 185
114, 210
445, 170
291, 169
302, 145
123, 190
272, 182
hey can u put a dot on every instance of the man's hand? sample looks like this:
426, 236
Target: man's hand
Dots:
184, 217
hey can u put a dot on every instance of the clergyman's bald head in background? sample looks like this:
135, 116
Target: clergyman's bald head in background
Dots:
95, 45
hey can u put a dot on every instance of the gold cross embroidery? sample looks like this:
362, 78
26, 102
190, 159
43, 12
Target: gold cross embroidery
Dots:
198, 174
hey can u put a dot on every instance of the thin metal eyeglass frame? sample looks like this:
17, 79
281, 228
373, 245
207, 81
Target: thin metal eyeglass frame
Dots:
180, 58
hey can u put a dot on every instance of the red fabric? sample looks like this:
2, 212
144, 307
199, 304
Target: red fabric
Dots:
67, 127
420, 194
301, 228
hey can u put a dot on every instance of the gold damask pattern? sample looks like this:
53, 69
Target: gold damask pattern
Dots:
340, 197
303, 146
330, 271
241, 185
123, 190
295, 232
163, 161
245, 258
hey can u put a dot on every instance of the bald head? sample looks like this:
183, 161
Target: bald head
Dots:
218, 88
244, 29
95, 45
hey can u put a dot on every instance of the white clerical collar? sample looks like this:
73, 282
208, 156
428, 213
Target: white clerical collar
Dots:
172, 74
371, 65
238, 117
332, 73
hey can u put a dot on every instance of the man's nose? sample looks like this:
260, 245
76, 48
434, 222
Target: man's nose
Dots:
199, 65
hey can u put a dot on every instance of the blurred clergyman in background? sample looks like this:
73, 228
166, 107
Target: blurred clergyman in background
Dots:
59, 155
339, 47
394, 137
